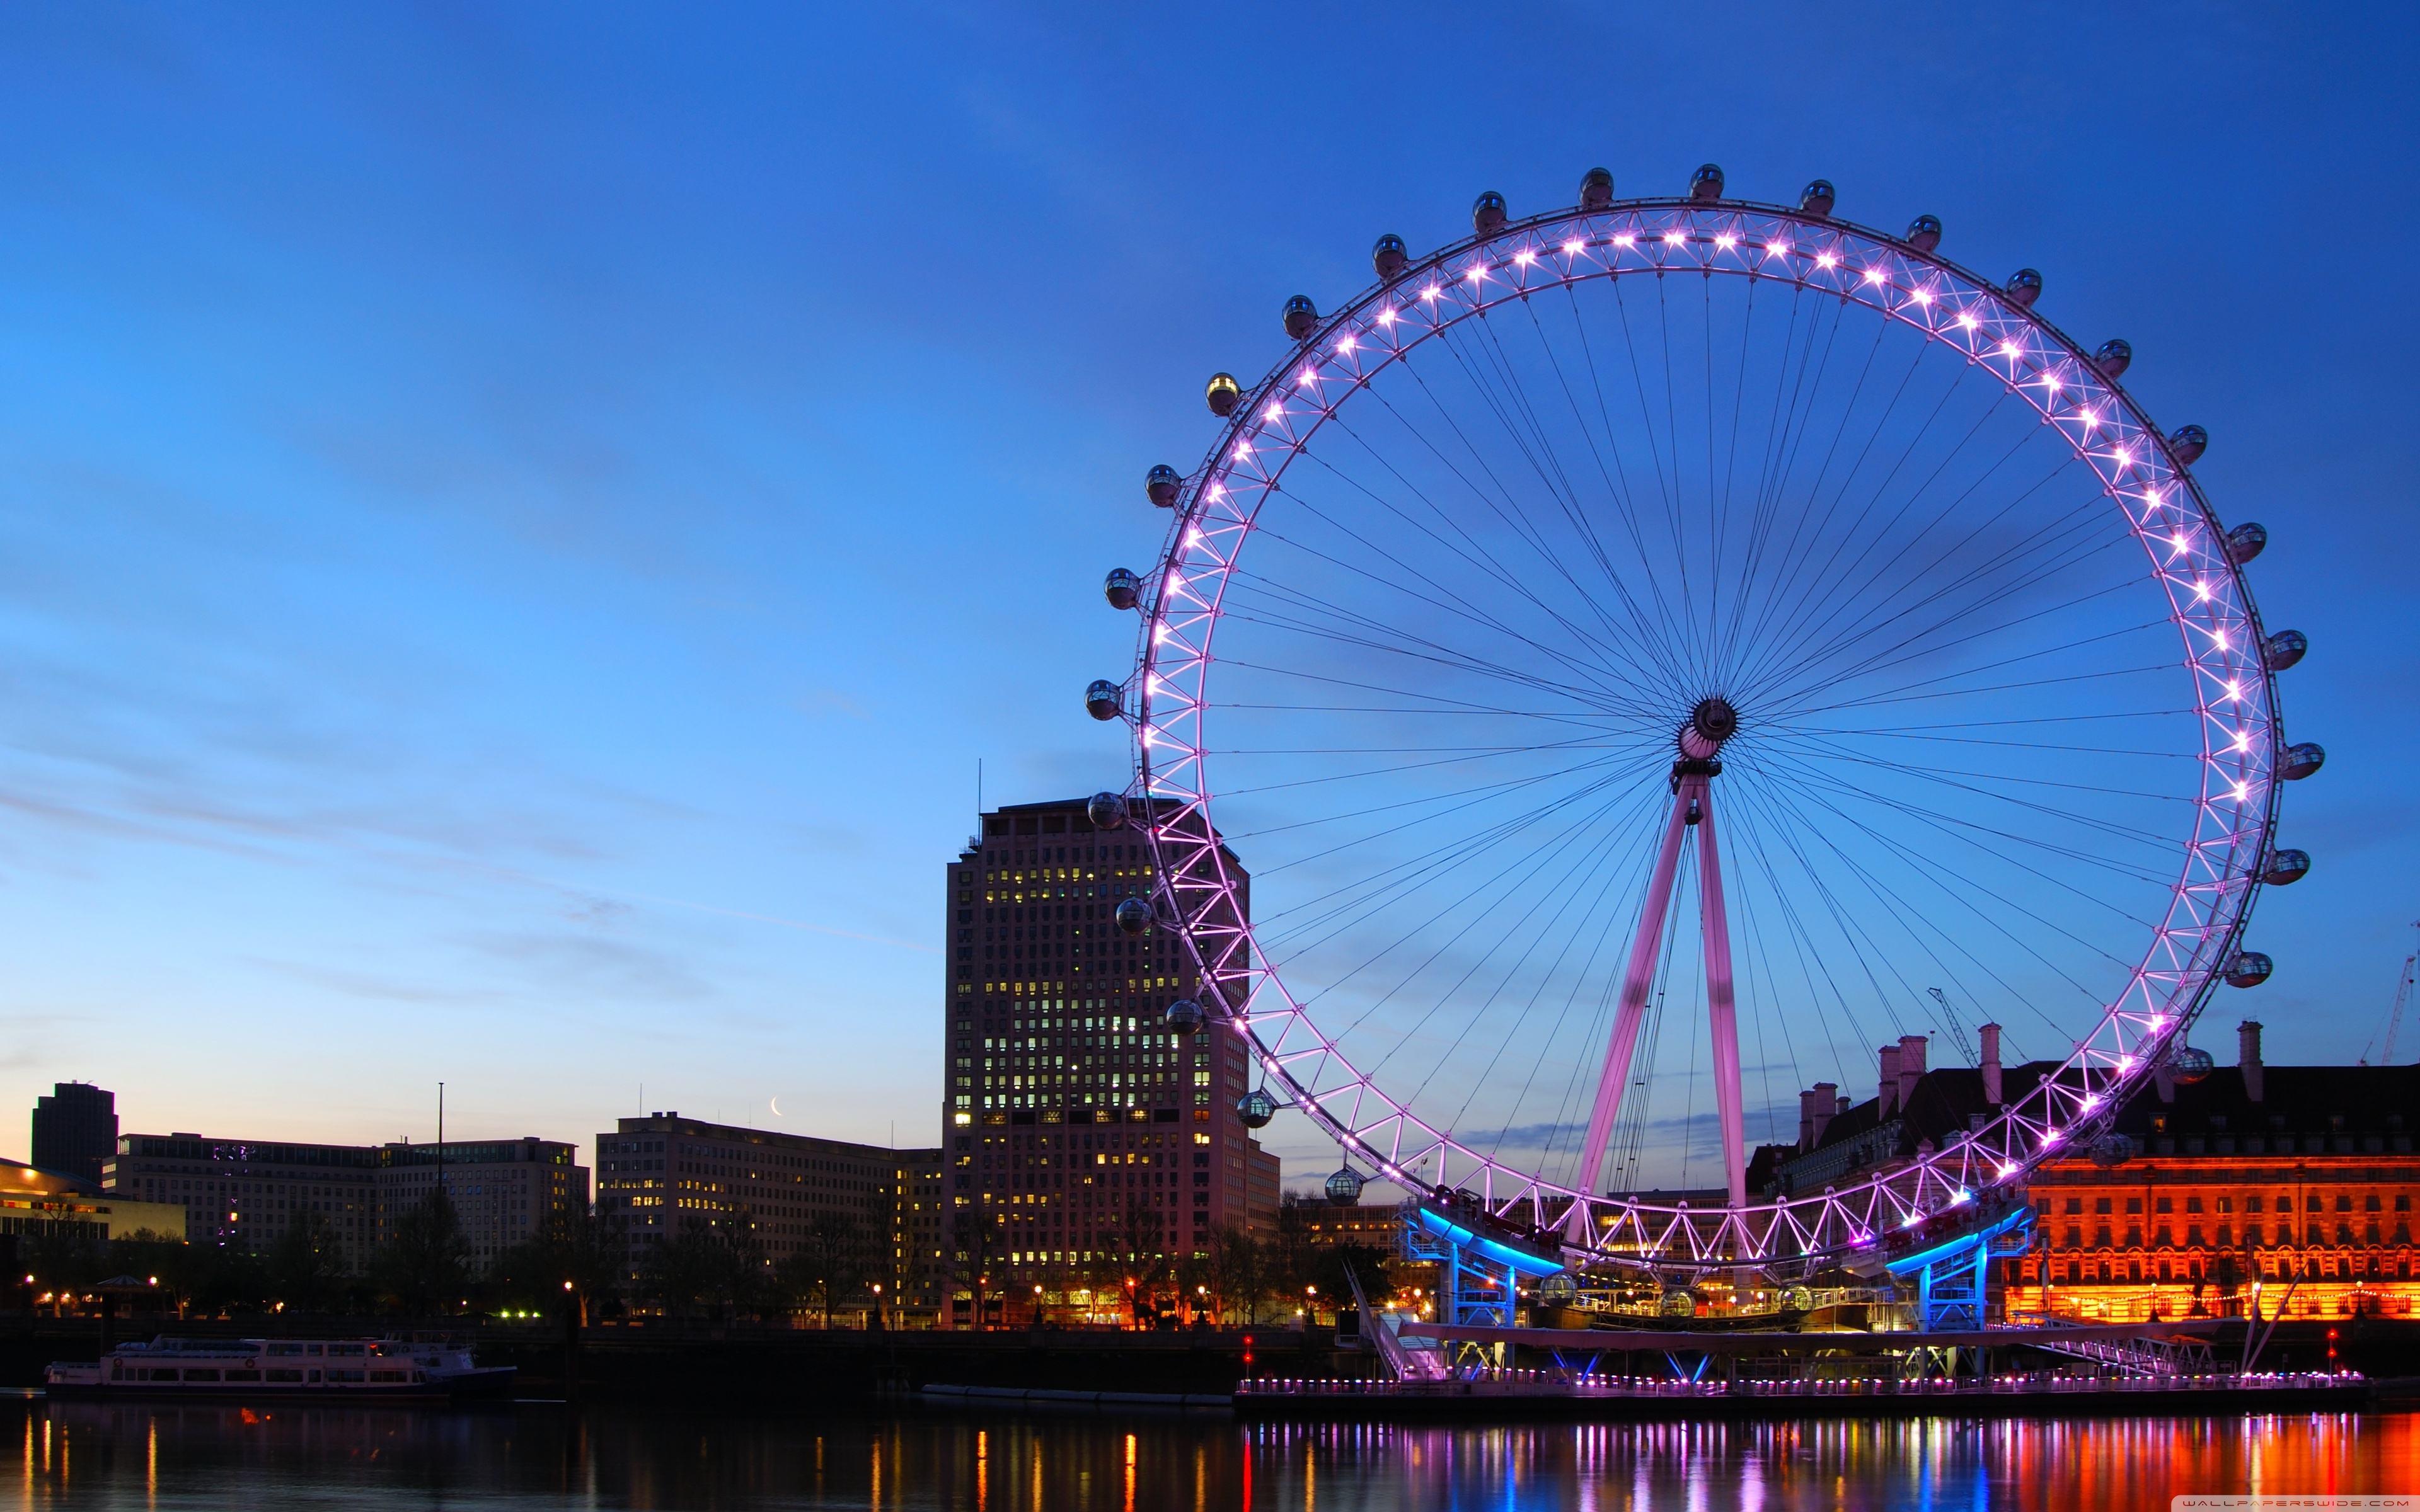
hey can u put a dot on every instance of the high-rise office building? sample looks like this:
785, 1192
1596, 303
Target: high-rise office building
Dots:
75, 1130
1077, 1124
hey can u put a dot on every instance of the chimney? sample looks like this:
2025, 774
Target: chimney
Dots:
1815, 1113
1842, 1109
1910, 1066
1890, 1093
2247, 1057
1991, 1037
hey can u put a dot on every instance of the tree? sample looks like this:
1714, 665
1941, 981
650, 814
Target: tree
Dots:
427, 1265
306, 1267
1243, 1275
975, 1248
840, 1253
576, 1249
706, 1264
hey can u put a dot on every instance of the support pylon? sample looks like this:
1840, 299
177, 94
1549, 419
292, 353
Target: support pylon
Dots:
1712, 722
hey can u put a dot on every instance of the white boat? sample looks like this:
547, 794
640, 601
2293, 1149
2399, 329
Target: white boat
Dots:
319, 1369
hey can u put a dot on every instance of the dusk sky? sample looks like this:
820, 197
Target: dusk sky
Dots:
518, 524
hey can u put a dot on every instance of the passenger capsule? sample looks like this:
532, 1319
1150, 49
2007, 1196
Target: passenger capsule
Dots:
1389, 255
1184, 1015
1301, 317
2112, 1149
2299, 762
2024, 286
1104, 700
1106, 811
1487, 213
1816, 199
1122, 588
1162, 484
2249, 968
2113, 358
2284, 649
1255, 1108
1134, 915
2287, 868
1223, 396
2245, 542
1596, 189
1344, 1188
2186, 444
2188, 1064
1924, 233
1706, 184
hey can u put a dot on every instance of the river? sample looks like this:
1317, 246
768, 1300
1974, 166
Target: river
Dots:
168, 1458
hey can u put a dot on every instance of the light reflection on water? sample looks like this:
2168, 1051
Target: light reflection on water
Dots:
168, 1458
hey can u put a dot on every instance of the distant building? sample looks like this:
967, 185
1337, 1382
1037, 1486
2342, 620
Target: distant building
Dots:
1316, 1221
505, 1192
75, 1130
919, 1262
243, 1193
1077, 1125
42, 1204
760, 1189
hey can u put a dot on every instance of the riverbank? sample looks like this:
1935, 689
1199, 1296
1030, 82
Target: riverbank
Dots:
659, 1364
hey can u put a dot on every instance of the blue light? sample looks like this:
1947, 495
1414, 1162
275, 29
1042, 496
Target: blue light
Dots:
1463, 1237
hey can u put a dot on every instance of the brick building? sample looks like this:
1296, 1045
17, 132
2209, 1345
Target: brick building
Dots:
1077, 1125
2298, 1179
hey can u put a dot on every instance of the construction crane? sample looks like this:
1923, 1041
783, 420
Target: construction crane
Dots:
2395, 1019
1950, 1015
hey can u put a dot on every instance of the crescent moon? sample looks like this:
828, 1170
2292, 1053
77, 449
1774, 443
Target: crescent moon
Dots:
777, 1106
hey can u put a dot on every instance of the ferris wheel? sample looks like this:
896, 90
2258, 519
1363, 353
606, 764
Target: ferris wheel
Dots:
1649, 655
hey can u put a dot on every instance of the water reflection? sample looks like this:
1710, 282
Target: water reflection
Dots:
75, 1455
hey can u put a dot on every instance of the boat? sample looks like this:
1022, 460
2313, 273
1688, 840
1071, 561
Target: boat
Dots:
311, 1369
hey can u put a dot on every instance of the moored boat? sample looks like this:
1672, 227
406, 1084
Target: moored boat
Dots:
321, 1369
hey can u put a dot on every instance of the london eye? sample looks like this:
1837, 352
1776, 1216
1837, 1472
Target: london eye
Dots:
1655, 652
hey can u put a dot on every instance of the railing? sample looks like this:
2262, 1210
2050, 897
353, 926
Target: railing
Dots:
1499, 1382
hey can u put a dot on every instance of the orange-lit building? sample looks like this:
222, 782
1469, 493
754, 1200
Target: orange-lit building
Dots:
2296, 1180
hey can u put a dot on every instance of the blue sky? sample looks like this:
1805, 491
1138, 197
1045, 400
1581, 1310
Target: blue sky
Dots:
516, 525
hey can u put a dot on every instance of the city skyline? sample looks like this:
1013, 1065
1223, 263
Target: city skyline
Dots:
443, 531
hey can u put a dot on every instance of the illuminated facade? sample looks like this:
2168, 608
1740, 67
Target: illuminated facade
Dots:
2296, 1180
43, 1204
1078, 1127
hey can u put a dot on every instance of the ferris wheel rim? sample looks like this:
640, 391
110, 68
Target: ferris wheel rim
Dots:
1372, 1125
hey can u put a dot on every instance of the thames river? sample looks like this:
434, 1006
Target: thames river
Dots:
73, 1455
